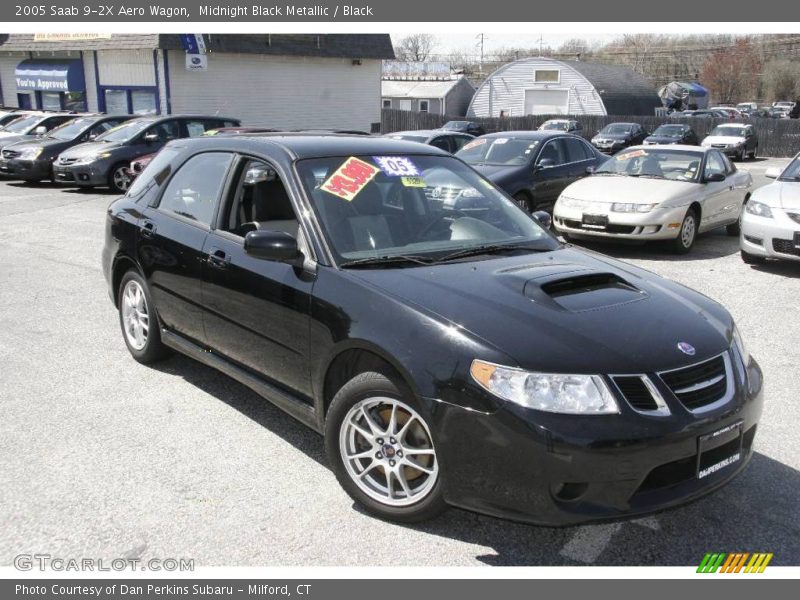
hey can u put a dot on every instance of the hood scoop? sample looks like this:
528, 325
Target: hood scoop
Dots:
583, 290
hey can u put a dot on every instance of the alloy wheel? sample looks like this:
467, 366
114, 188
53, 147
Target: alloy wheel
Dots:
135, 317
387, 451
121, 179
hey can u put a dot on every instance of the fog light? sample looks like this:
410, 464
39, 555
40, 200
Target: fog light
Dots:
83, 177
753, 240
569, 492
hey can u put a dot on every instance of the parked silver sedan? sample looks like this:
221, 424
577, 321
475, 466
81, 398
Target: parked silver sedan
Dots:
644, 193
771, 219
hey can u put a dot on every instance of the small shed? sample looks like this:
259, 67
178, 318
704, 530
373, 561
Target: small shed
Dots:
545, 86
425, 87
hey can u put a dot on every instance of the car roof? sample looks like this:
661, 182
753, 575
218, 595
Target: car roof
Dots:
420, 132
524, 134
683, 147
304, 145
620, 123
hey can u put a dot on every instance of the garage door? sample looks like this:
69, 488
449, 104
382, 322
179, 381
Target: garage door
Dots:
546, 102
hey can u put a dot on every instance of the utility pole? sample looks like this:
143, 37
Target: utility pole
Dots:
541, 45
481, 39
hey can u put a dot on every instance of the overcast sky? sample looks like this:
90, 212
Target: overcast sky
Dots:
467, 41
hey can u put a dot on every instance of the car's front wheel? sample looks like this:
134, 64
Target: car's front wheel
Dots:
382, 451
138, 320
686, 234
119, 178
522, 200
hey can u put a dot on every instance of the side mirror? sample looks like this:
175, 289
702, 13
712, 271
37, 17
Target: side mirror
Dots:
278, 246
151, 138
40, 130
543, 218
590, 170
773, 172
544, 163
714, 177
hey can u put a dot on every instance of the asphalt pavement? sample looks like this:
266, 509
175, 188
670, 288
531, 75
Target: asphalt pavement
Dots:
102, 457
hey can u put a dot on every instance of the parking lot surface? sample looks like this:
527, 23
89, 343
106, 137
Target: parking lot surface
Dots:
103, 457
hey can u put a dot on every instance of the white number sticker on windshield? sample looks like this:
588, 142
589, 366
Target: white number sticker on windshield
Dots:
396, 166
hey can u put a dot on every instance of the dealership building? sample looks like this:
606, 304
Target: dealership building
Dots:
282, 81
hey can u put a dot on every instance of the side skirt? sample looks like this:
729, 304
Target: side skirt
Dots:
286, 402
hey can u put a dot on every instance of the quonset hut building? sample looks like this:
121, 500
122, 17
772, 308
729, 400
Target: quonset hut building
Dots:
544, 86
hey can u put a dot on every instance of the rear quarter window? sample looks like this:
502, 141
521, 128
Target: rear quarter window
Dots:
154, 174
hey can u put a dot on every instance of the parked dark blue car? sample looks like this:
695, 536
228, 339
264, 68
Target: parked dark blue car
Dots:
532, 166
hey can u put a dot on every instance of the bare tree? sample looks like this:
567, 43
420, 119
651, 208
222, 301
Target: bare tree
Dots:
417, 47
731, 75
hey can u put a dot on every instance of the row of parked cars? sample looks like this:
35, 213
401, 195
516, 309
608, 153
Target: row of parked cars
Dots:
658, 187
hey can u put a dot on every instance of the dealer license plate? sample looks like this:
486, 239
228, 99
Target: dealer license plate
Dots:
719, 450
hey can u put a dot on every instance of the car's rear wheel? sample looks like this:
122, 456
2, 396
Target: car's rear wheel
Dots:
754, 153
686, 234
382, 450
138, 320
742, 154
752, 259
119, 179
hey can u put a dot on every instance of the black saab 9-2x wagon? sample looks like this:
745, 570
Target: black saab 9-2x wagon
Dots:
449, 348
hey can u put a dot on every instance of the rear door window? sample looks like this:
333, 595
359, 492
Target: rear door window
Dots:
576, 150
194, 190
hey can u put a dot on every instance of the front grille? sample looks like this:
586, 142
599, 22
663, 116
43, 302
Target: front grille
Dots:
442, 193
610, 228
635, 391
66, 161
785, 247
794, 217
10, 154
699, 385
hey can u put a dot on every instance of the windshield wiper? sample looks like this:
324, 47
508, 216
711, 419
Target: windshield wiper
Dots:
386, 260
646, 176
488, 249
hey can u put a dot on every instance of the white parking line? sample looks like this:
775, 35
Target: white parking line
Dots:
589, 542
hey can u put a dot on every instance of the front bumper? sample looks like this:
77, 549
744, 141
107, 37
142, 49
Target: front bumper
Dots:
92, 174
609, 148
731, 151
658, 224
558, 470
20, 168
776, 237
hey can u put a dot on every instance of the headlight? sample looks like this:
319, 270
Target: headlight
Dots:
629, 207
571, 394
31, 153
567, 202
93, 157
758, 208
737, 339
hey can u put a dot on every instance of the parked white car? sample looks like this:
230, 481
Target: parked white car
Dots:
771, 219
663, 192
737, 140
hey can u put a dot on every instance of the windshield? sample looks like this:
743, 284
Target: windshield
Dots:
124, 132
676, 165
616, 129
791, 172
417, 206
670, 130
70, 129
555, 125
499, 151
22, 125
728, 131
455, 124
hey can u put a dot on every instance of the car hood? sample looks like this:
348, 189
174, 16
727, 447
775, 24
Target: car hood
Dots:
723, 139
780, 194
663, 139
497, 172
12, 138
617, 137
640, 190
88, 148
566, 310
39, 143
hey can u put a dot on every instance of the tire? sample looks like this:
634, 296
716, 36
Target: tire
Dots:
687, 234
138, 320
119, 180
523, 201
377, 397
754, 153
752, 259
742, 155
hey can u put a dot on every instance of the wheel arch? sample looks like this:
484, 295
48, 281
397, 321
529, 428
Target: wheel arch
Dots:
122, 264
350, 359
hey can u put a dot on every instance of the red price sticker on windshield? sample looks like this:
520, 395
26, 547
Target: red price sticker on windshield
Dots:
349, 179
631, 154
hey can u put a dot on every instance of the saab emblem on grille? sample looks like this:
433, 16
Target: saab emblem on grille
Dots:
687, 349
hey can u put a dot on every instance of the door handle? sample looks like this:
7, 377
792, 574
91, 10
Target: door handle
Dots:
218, 259
148, 229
